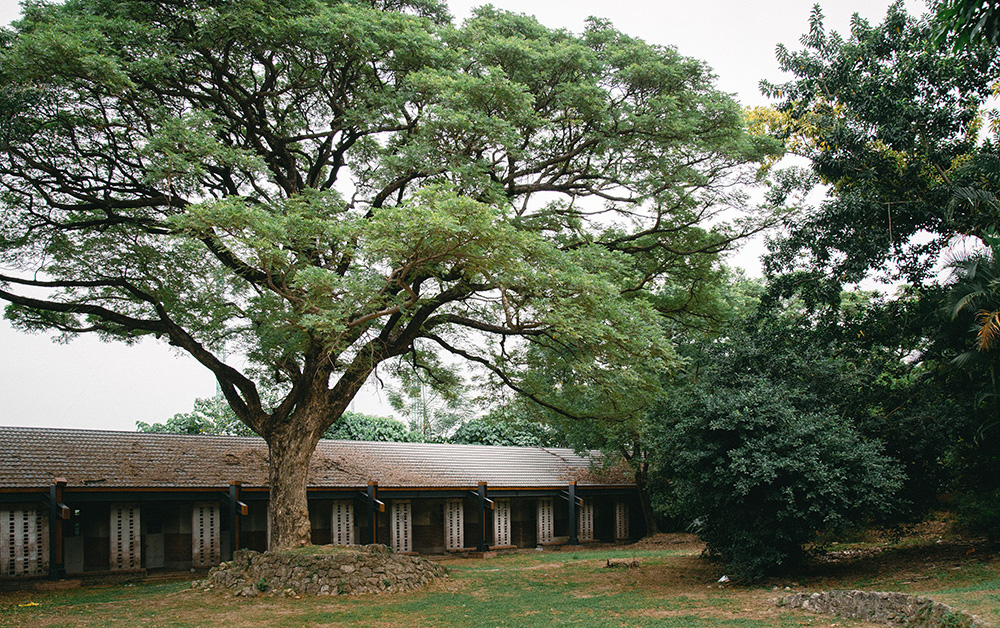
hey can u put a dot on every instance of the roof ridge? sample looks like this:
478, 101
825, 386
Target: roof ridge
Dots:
140, 434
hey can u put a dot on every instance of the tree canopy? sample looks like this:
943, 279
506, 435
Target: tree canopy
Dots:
511, 426
900, 130
967, 21
214, 416
892, 123
315, 188
208, 416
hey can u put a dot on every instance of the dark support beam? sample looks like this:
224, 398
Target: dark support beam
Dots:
573, 537
80, 495
58, 512
372, 517
236, 509
484, 522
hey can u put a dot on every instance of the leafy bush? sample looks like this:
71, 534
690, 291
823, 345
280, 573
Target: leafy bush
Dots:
211, 415
760, 478
365, 427
214, 416
499, 429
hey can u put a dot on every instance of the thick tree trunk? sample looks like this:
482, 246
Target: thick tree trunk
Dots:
288, 516
645, 501
292, 438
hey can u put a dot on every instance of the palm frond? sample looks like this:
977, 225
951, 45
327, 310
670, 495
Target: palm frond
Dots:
976, 197
964, 359
988, 332
964, 301
988, 166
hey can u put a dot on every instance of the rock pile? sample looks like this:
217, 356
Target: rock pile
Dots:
325, 571
884, 608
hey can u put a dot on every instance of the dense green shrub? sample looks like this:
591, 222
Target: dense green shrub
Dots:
498, 428
366, 427
760, 478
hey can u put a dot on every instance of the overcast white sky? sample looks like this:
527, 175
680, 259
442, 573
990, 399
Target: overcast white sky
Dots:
89, 384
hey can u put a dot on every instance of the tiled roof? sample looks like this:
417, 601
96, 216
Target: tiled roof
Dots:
32, 457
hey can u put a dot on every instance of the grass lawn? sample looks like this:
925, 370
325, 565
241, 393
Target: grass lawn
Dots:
672, 586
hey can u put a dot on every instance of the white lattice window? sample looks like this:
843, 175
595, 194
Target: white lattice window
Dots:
24, 543
342, 523
546, 518
585, 522
126, 549
501, 522
205, 535
621, 521
454, 524
400, 528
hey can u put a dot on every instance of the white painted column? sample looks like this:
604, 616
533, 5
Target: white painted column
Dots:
342, 523
585, 522
501, 522
206, 547
400, 526
545, 520
454, 524
126, 549
24, 543
621, 521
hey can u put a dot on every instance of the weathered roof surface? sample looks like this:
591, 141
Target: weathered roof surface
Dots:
32, 457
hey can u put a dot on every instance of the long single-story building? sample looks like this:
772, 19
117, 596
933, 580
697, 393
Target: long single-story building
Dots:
76, 502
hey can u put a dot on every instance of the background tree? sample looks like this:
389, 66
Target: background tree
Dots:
209, 416
891, 122
965, 350
367, 427
317, 188
968, 21
433, 409
894, 120
973, 301
214, 416
510, 427
611, 414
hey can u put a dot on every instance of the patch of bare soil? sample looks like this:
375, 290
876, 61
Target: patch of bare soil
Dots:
919, 558
679, 541
688, 586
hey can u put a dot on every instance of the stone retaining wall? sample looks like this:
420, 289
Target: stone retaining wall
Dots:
337, 571
884, 608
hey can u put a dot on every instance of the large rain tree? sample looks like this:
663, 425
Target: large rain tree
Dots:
314, 188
